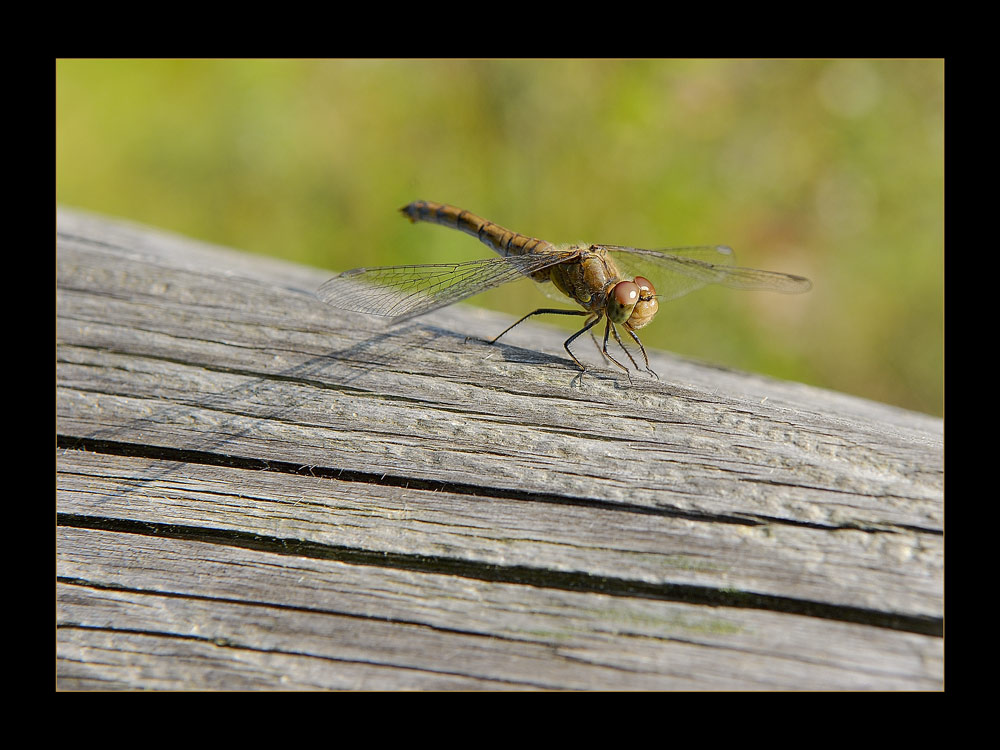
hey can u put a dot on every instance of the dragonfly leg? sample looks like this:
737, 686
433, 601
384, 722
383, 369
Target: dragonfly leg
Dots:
597, 345
544, 310
608, 328
635, 337
621, 343
590, 324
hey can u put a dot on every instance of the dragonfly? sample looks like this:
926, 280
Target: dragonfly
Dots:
609, 282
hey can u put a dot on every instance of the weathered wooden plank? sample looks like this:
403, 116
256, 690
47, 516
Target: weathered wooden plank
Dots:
355, 624
185, 371
616, 546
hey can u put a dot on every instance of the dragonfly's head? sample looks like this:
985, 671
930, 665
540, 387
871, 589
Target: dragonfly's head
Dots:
647, 305
632, 302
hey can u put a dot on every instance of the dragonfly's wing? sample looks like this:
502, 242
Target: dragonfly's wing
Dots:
677, 271
403, 292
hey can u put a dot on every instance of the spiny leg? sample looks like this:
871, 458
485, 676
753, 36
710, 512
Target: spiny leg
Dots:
608, 356
587, 327
635, 337
540, 312
597, 346
607, 330
622, 345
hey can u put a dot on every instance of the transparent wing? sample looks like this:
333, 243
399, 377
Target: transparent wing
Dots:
403, 292
678, 271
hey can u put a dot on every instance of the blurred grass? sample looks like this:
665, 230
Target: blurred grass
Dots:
830, 169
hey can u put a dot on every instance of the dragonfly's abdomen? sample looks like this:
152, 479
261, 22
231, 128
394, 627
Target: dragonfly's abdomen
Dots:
502, 241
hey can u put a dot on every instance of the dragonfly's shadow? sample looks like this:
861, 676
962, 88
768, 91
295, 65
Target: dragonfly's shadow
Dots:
531, 353
391, 346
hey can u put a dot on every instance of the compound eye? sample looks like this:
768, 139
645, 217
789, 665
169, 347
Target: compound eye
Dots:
646, 289
622, 301
626, 293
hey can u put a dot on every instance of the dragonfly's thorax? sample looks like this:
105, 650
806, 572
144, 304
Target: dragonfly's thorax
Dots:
588, 280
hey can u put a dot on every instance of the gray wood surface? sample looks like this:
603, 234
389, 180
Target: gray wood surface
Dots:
255, 490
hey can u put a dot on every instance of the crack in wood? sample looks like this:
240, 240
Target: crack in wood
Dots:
514, 574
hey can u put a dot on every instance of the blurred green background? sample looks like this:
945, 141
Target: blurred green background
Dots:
829, 169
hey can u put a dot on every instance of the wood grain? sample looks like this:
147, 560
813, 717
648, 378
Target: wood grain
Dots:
258, 491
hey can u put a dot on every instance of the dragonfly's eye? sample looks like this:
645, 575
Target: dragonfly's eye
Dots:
646, 289
622, 301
